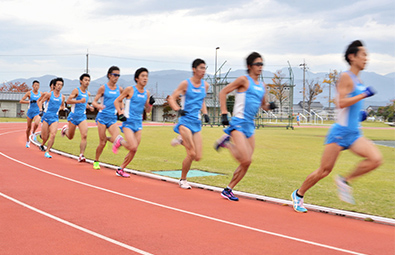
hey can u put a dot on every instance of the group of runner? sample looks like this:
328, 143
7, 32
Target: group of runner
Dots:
128, 105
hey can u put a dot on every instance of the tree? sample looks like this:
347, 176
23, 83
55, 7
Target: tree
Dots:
332, 79
14, 87
230, 102
279, 88
387, 111
313, 89
167, 115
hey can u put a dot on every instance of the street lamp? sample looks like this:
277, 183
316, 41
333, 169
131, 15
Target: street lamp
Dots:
215, 74
215, 84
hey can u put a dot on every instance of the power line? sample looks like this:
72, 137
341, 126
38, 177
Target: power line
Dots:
41, 55
139, 59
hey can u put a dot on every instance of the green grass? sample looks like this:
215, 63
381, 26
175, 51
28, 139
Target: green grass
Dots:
282, 160
12, 119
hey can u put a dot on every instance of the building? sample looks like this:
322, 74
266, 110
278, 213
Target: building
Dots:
10, 106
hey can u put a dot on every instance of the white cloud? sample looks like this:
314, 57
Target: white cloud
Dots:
169, 35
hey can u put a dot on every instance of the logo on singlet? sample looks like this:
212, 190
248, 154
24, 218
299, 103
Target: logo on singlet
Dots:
196, 90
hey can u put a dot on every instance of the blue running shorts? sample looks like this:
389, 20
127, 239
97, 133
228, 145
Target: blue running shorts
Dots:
76, 120
50, 119
106, 120
342, 136
32, 114
246, 127
134, 126
195, 125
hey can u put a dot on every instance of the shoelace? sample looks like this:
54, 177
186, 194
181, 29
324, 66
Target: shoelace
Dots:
300, 202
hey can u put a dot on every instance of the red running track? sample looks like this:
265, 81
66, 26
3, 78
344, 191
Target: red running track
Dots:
59, 206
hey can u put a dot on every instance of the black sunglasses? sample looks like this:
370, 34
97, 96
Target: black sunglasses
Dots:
257, 64
115, 74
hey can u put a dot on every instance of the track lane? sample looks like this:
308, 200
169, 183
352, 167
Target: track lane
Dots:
164, 231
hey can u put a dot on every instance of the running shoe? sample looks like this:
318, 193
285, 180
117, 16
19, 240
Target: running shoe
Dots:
35, 137
122, 173
47, 155
64, 129
221, 142
96, 165
184, 184
117, 144
228, 194
42, 148
344, 190
176, 141
27, 144
81, 158
298, 203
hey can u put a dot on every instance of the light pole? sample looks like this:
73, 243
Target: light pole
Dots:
215, 84
215, 74
87, 61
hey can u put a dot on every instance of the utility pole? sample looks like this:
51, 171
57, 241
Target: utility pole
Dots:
304, 82
87, 62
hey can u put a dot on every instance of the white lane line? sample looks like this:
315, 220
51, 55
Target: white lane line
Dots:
76, 226
14, 131
187, 212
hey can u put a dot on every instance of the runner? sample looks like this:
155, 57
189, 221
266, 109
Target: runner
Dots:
55, 102
106, 119
345, 133
79, 100
137, 99
33, 113
250, 96
192, 91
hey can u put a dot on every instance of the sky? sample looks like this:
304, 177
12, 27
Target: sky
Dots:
54, 37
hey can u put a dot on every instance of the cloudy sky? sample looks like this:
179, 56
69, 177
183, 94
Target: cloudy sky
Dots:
53, 37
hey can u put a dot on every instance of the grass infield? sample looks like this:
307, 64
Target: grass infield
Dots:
281, 161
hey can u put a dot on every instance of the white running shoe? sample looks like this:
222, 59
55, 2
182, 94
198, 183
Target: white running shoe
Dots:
27, 144
184, 184
176, 141
64, 129
81, 158
344, 190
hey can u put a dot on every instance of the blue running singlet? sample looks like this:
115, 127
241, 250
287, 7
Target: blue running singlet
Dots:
192, 103
134, 108
346, 129
52, 109
33, 109
78, 111
246, 106
108, 116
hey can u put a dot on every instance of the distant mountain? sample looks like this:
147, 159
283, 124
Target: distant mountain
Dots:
68, 85
163, 83
390, 75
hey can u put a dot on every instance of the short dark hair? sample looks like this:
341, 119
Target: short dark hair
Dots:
353, 48
138, 72
112, 69
197, 62
52, 82
251, 58
35, 81
59, 79
84, 75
